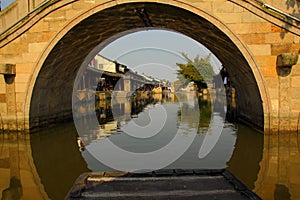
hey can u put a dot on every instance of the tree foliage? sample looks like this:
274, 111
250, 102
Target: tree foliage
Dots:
198, 70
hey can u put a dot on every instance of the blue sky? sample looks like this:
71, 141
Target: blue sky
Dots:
155, 52
5, 3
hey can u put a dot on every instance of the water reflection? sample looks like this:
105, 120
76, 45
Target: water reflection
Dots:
45, 164
14, 191
244, 162
18, 176
279, 177
57, 159
152, 123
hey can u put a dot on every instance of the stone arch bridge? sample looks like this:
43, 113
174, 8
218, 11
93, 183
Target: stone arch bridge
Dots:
43, 44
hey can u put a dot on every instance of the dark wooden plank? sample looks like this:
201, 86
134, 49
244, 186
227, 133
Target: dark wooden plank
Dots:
160, 184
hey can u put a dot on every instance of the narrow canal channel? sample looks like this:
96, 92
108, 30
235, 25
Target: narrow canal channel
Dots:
181, 114
59, 159
45, 164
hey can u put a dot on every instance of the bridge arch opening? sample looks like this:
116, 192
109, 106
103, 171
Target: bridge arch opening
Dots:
51, 98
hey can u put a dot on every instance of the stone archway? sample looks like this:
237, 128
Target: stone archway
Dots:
52, 82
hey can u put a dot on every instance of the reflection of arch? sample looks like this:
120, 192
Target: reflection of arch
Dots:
279, 168
59, 171
18, 170
247, 139
52, 81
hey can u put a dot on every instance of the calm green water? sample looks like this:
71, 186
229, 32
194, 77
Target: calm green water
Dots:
135, 126
265, 164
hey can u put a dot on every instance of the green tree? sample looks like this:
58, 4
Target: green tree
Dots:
198, 70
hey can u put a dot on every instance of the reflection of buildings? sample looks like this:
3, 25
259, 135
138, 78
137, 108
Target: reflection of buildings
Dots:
191, 87
112, 115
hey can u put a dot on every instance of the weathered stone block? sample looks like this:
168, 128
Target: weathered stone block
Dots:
70, 14
2, 81
24, 68
11, 58
272, 82
56, 26
277, 29
79, 5
296, 69
284, 110
260, 50
11, 16
3, 108
272, 38
293, 124
257, 38
2, 98
22, 78
230, 17
14, 48
20, 107
269, 71
23, 7
273, 92
35, 37
248, 28
40, 27
55, 16
296, 39
21, 87
223, 6
267, 61
284, 127
277, 49
204, 5
284, 83
37, 47
295, 105
284, 115
295, 81
274, 104
250, 17
30, 57
20, 97
2, 85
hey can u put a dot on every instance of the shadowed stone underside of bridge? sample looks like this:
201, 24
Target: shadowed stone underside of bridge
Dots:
51, 98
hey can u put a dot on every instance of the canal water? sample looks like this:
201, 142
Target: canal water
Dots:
44, 164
